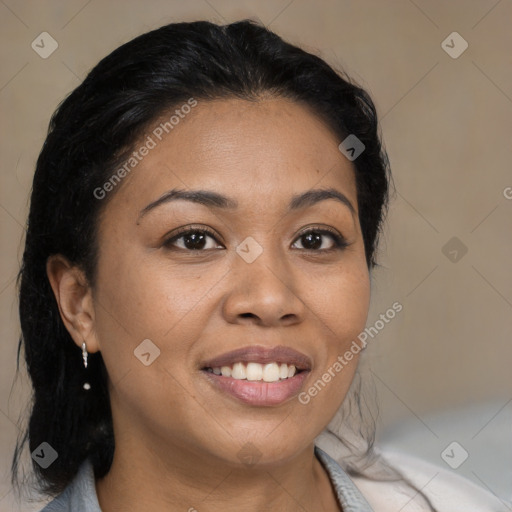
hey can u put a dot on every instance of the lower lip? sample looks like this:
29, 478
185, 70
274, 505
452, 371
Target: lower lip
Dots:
258, 392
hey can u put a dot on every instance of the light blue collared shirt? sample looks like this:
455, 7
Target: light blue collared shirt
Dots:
80, 495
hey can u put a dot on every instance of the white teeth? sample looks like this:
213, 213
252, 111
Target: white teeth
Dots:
271, 372
238, 371
254, 371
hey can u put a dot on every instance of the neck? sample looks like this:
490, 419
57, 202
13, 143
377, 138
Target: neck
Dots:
178, 479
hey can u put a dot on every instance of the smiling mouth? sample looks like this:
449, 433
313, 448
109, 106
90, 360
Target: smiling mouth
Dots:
266, 389
257, 375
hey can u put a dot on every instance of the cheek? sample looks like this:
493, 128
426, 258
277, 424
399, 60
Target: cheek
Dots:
143, 297
147, 295
341, 308
341, 303
149, 301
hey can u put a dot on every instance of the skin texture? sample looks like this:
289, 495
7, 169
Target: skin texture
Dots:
177, 437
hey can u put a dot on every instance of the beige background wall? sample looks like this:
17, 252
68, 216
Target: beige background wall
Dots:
447, 124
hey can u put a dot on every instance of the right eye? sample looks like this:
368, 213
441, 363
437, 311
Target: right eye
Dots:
194, 239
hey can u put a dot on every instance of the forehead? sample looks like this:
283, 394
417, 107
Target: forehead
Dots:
261, 152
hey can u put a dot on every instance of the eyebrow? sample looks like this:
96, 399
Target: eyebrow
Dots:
214, 199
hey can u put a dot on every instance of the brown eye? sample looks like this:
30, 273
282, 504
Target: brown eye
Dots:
314, 239
192, 240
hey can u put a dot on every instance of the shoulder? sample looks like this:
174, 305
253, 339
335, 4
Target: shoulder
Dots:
80, 494
447, 491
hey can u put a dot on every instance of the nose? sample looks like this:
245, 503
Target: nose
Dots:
264, 292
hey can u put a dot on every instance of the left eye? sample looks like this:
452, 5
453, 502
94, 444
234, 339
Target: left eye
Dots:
313, 239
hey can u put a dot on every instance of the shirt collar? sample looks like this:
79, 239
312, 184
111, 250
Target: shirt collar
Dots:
349, 496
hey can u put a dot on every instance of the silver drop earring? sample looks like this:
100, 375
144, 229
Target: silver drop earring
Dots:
85, 355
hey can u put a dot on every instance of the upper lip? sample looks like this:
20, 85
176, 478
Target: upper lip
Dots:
259, 354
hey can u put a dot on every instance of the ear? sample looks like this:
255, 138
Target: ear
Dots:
74, 298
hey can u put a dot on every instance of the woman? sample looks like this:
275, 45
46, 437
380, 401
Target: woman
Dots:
204, 219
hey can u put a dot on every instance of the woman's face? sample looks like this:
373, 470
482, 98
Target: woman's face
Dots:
259, 281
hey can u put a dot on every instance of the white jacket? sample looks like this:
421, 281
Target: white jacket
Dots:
447, 491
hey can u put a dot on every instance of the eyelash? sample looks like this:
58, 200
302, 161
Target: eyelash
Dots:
339, 241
